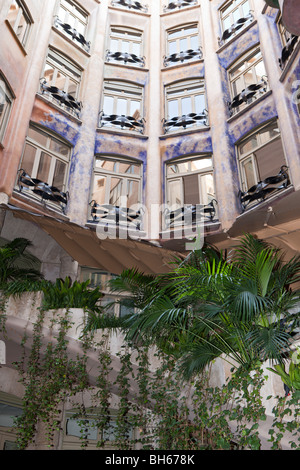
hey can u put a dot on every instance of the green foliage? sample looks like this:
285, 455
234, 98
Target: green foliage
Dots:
290, 378
65, 294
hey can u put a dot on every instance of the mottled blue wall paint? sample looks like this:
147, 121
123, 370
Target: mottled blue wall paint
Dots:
229, 54
63, 126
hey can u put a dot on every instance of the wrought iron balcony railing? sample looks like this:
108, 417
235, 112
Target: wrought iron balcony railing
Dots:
288, 50
179, 4
240, 23
75, 35
125, 57
246, 96
130, 4
185, 120
115, 215
191, 214
263, 189
63, 98
42, 189
127, 122
183, 56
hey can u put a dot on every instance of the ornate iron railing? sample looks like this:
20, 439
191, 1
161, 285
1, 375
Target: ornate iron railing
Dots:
288, 50
179, 4
183, 56
75, 35
42, 189
240, 23
125, 57
130, 4
191, 214
63, 98
127, 122
185, 120
115, 215
246, 96
263, 189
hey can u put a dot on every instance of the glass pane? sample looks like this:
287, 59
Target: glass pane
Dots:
114, 45
99, 189
207, 189
21, 29
129, 168
136, 49
238, 86
28, 158
121, 106
125, 46
201, 164
108, 105
76, 428
199, 103
260, 71
236, 15
246, 8
135, 107
59, 175
13, 13
269, 132
186, 105
59, 147
132, 192
173, 109
44, 167
174, 193
60, 81
80, 28
38, 136
194, 43
226, 23
115, 191
249, 145
48, 73
191, 189
249, 78
72, 89
4, 104
249, 173
172, 47
183, 44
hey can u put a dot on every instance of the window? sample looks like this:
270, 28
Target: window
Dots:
10, 408
288, 41
174, 4
190, 181
20, 21
126, 46
44, 166
122, 106
262, 163
183, 44
6, 100
234, 15
135, 5
247, 80
61, 81
73, 21
185, 105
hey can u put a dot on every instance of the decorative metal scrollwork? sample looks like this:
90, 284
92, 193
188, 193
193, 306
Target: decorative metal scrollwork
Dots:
240, 23
265, 188
75, 35
62, 97
128, 122
191, 213
116, 215
130, 4
252, 91
183, 56
186, 120
288, 50
179, 4
125, 57
47, 193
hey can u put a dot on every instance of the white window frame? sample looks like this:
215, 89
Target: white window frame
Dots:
208, 170
250, 155
6, 102
182, 33
227, 16
22, 13
115, 173
179, 91
71, 13
125, 35
55, 156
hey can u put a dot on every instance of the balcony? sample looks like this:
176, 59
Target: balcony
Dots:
183, 56
125, 57
45, 192
179, 4
239, 24
247, 96
186, 120
115, 215
287, 51
130, 4
63, 99
73, 33
191, 214
125, 122
266, 188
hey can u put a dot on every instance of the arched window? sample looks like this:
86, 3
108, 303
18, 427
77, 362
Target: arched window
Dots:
20, 20
183, 44
125, 46
6, 100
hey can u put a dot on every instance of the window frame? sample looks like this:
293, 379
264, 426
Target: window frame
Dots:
249, 156
70, 10
23, 12
7, 97
238, 6
183, 37
116, 33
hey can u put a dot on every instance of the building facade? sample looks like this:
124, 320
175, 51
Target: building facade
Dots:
126, 126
